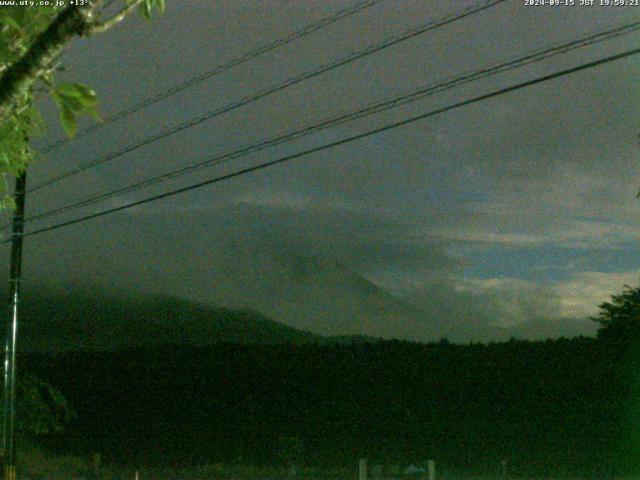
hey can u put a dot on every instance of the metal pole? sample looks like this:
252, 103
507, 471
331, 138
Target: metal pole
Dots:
431, 465
362, 469
9, 411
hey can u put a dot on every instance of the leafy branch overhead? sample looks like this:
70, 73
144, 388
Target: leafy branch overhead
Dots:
32, 42
74, 99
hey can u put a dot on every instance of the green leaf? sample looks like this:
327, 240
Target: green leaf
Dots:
68, 120
7, 20
145, 9
8, 203
77, 95
88, 95
94, 113
6, 55
73, 103
37, 124
18, 13
75, 99
85, 91
68, 90
160, 5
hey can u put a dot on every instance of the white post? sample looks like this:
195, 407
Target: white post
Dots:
136, 475
362, 470
432, 469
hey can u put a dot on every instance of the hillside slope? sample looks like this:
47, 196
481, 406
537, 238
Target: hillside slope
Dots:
74, 319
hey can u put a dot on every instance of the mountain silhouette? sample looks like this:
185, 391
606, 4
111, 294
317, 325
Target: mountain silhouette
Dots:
59, 319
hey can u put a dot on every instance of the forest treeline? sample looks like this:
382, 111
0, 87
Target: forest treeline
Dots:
567, 405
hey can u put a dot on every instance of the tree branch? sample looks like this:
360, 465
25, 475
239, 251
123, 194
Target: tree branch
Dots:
100, 27
17, 79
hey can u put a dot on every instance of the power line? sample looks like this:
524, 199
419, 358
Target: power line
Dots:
278, 87
298, 34
343, 141
344, 118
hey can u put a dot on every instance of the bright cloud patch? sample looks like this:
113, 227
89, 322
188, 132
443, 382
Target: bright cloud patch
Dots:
581, 296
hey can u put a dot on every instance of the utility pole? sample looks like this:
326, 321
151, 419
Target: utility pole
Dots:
9, 411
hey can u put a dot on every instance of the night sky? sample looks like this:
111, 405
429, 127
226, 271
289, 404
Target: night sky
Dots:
513, 216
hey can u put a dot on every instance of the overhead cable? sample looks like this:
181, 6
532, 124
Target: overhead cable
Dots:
336, 143
389, 42
217, 70
377, 107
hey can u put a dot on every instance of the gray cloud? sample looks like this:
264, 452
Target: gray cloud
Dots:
362, 238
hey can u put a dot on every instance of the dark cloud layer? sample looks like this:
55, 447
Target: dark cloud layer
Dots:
380, 236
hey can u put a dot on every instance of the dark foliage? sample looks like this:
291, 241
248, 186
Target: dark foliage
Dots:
68, 318
543, 406
619, 319
41, 408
